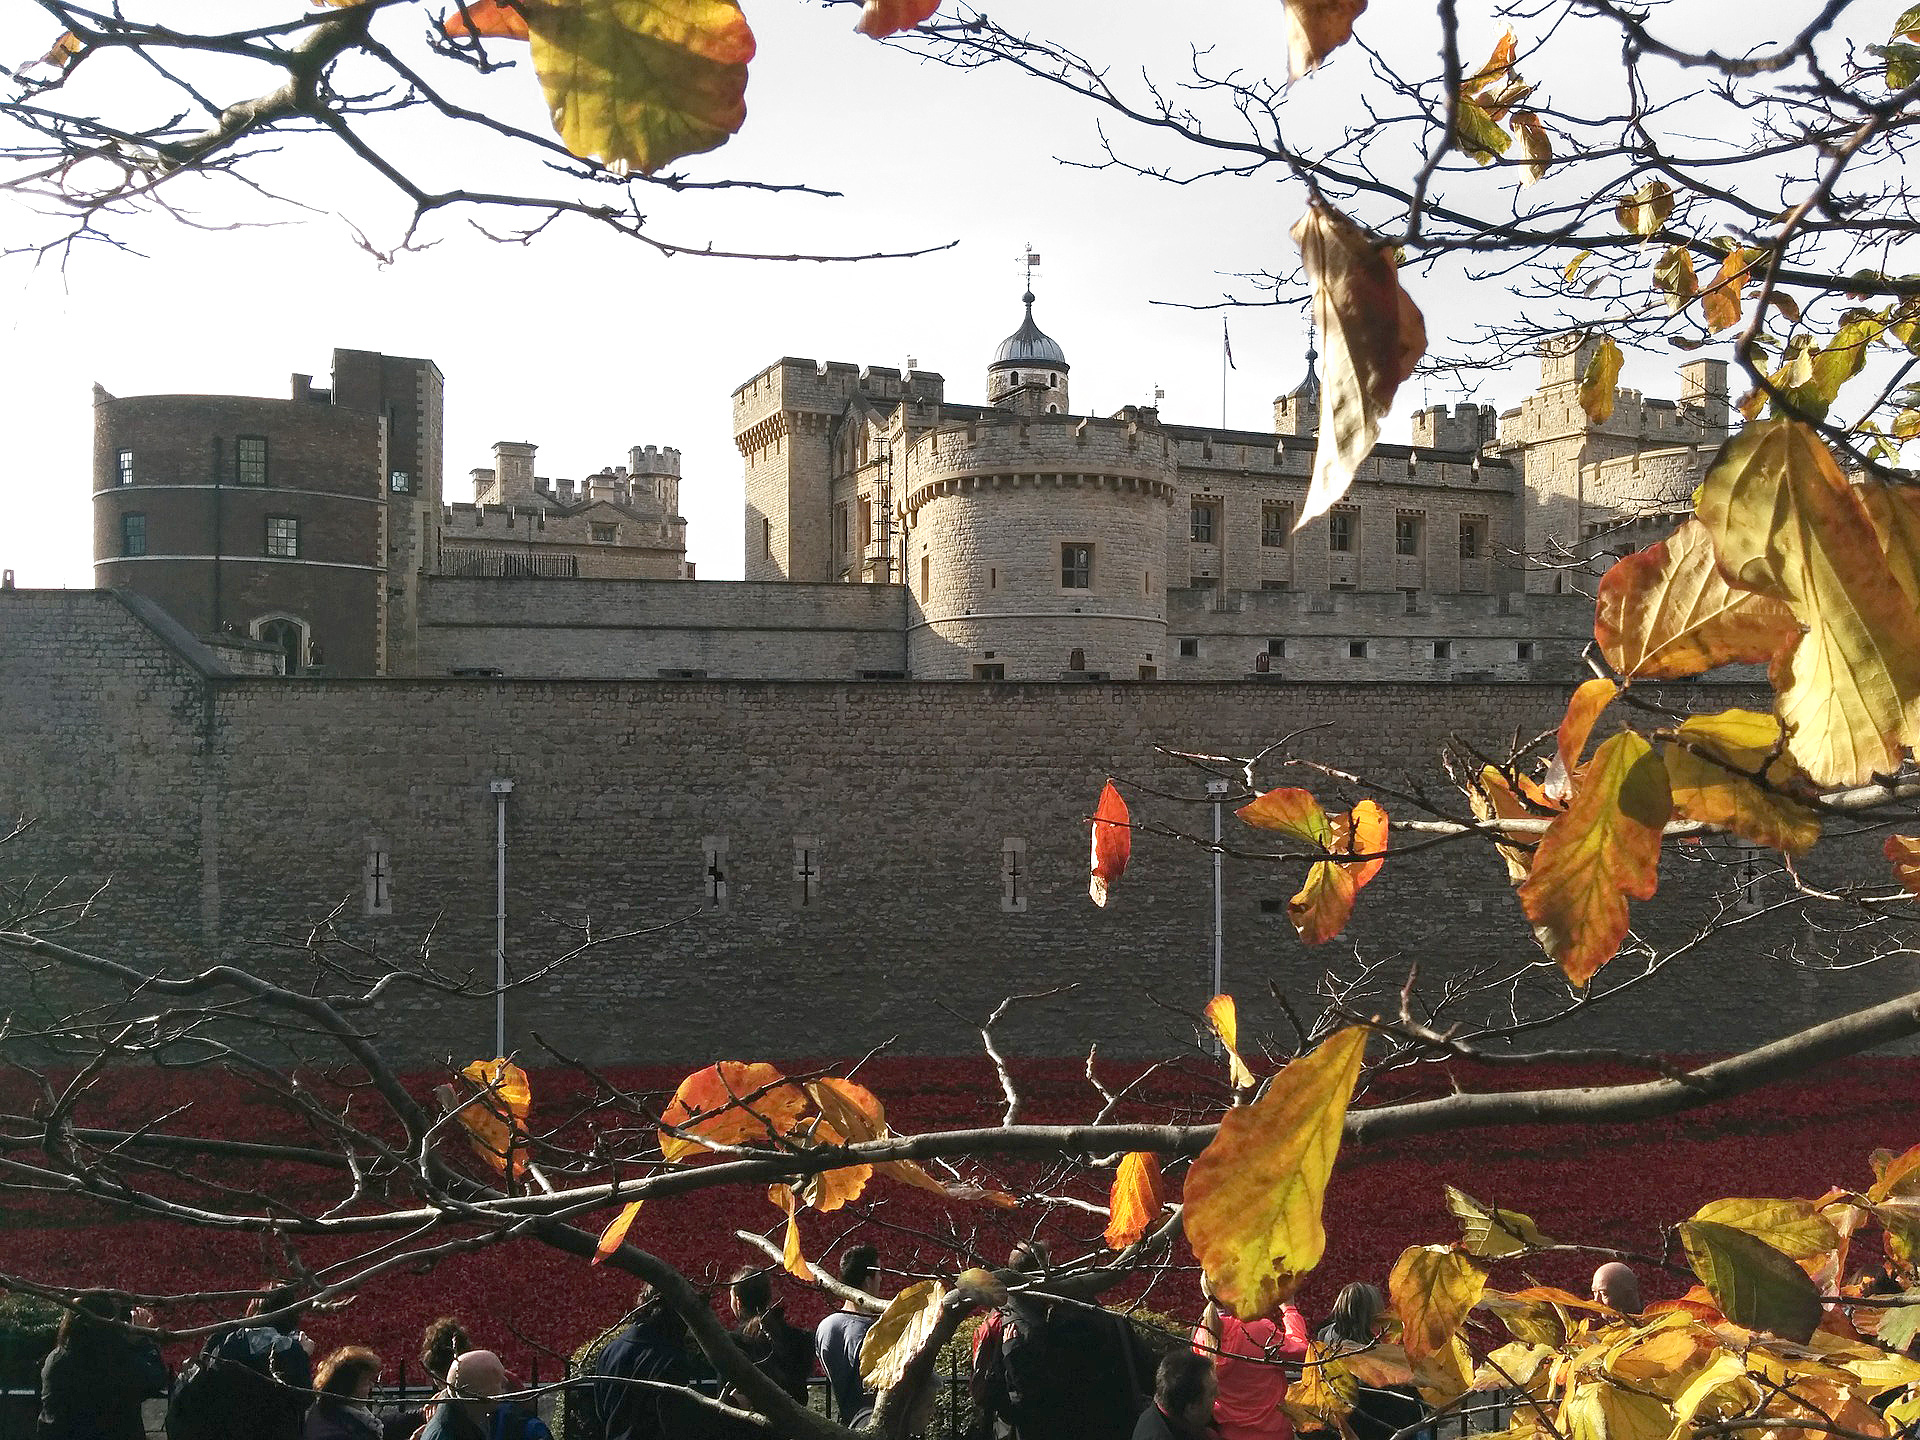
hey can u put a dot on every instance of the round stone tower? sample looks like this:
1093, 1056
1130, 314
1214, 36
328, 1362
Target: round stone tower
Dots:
1035, 545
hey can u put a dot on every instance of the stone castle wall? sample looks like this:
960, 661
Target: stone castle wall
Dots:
225, 809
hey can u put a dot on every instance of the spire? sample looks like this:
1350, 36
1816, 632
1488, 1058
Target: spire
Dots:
1310, 387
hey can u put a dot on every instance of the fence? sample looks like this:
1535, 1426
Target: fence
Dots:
487, 563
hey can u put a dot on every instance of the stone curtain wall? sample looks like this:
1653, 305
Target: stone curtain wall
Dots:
228, 810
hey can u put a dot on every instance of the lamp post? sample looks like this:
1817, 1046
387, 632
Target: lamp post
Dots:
1217, 789
500, 790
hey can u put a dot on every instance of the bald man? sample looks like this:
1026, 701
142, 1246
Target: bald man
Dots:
466, 1406
1617, 1286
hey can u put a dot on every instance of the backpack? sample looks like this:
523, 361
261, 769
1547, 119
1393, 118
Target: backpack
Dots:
228, 1392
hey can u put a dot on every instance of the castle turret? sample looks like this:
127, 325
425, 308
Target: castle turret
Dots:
656, 468
510, 482
1029, 370
1299, 412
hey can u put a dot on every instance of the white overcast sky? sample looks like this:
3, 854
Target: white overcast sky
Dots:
586, 344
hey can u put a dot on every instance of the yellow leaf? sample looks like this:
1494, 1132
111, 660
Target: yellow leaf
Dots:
495, 19
1492, 798
1599, 1411
1666, 612
1754, 1284
1660, 1357
1136, 1200
1445, 1375
1534, 1322
1833, 364
1224, 1017
1597, 383
791, 1256
1903, 853
1432, 1288
1785, 524
615, 1234
1701, 773
496, 1120
1573, 265
1374, 336
1512, 1365
1895, 512
1362, 831
899, 1332
1539, 150
1253, 1196
1315, 28
641, 83
1325, 1391
63, 52
1793, 1227
1673, 273
1726, 1378
1592, 697
1491, 1232
1291, 811
1603, 849
1499, 64
1721, 301
1646, 209
1478, 134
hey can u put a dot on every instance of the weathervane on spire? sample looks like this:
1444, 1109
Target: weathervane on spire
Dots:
1029, 262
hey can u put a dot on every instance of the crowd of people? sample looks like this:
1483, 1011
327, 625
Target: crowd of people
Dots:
1045, 1366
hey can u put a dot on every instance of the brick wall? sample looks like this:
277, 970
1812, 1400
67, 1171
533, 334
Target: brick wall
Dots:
225, 810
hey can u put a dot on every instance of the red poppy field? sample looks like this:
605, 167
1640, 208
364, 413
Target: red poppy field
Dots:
1612, 1185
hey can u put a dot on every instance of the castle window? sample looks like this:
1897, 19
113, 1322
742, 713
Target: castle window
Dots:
1053, 409
1277, 648
1276, 585
133, 534
1076, 567
990, 672
1013, 875
993, 579
289, 635
1203, 521
283, 536
1053, 379
1276, 522
125, 462
1443, 649
766, 537
1356, 649
250, 459
1189, 649
926, 576
1149, 672
399, 482
1203, 582
1076, 660
714, 872
1472, 537
1340, 531
1523, 650
377, 877
605, 534
1406, 535
1014, 378
866, 524
843, 526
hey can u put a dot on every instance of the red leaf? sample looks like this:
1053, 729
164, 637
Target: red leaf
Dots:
1112, 843
881, 18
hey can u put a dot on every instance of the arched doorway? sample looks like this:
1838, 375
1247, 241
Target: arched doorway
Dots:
290, 635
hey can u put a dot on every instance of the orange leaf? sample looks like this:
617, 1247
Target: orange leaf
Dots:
1112, 843
1494, 799
730, 1104
1582, 711
1720, 302
64, 52
1315, 28
881, 18
1322, 906
1139, 1194
1903, 853
1374, 336
1536, 142
1604, 848
1362, 831
791, 1256
1291, 811
496, 1121
1225, 1018
1667, 612
495, 19
615, 1234
1325, 901
1498, 63
1253, 1196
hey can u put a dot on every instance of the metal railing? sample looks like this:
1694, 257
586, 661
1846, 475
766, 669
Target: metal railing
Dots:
487, 562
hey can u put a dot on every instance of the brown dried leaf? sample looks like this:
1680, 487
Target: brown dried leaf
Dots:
1315, 28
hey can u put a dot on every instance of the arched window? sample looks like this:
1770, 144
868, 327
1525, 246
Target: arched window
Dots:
1014, 378
1077, 660
287, 633
1053, 409
1053, 379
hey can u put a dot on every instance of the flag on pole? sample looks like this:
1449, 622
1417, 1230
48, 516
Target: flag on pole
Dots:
1226, 342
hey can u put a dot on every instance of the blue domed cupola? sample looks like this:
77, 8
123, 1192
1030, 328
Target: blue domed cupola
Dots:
1029, 370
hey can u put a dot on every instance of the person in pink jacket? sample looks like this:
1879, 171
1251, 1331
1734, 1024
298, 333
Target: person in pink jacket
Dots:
1247, 1361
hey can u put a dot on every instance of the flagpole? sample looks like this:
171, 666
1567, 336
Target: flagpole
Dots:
1223, 372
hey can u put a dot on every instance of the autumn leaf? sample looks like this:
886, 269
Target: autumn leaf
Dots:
1895, 512
1602, 850
1324, 903
1478, 134
1786, 524
1112, 843
791, 1256
1491, 1232
1253, 1196
63, 52
496, 1121
1903, 853
1362, 831
1324, 1393
1592, 697
891, 1342
1374, 336
1225, 1020
1538, 146
615, 1234
1828, 369
1646, 209
1432, 1288
640, 83
1136, 1200
1793, 1227
881, 18
1315, 28
1673, 273
1494, 799
730, 1104
1753, 1284
1721, 302
495, 19
1573, 265
1666, 612
1596, 1410
1702, 762
1598, 381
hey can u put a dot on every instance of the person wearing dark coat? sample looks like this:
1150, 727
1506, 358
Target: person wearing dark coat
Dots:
651, 1347
780, 1350
343, 1385
1184, 1389
97, 1374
